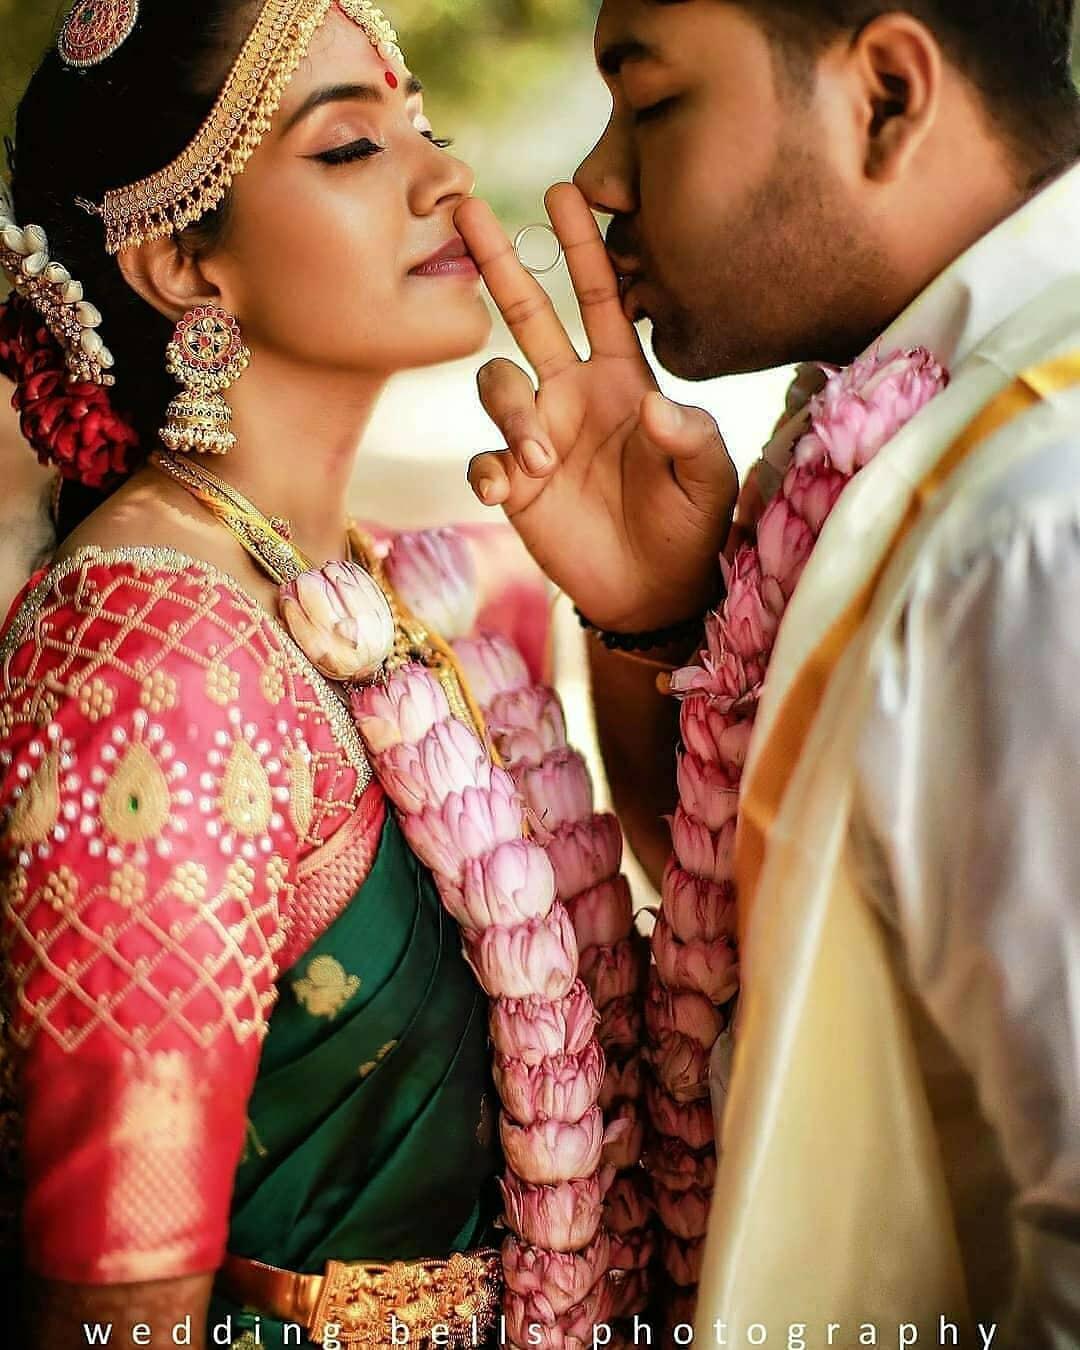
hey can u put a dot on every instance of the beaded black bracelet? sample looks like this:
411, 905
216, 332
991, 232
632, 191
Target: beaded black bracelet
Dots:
644, 642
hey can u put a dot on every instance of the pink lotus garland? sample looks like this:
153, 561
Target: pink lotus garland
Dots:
695, 974
528, 728
466, 819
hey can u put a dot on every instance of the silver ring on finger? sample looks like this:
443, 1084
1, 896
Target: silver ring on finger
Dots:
536, 264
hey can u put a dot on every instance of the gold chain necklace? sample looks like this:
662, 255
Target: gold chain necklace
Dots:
263, 539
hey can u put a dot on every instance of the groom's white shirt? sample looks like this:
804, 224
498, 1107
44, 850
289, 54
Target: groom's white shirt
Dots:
967, 821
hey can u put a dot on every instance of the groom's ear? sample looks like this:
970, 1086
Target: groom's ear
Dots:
898, 68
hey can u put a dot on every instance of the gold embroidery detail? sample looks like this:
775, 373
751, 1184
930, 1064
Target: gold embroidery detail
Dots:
135, 805
158, 693
246, 799
272, 684
277, 874
301, 792
385, 1050
246, 1342
369, 1067
7, 721
127, 886
184, 567
222, 685
240, 877
96, 699
162, 991
189, 883
38, 809
60, 889
43, 707
326, 987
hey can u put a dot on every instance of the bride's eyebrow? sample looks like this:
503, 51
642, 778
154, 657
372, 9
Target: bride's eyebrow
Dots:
344, 93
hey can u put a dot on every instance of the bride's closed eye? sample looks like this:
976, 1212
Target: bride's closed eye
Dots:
366, 149
347, 154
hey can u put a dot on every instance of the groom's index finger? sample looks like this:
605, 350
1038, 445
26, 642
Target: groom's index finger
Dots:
596, 285
520, 298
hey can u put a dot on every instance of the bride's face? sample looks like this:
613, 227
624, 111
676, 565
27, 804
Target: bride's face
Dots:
326, 255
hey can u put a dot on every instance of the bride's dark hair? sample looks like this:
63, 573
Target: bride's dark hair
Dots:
81, 132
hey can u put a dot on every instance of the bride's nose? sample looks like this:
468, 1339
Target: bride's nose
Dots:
444, 181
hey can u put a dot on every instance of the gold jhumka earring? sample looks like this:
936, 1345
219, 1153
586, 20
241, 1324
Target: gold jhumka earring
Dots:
206, 356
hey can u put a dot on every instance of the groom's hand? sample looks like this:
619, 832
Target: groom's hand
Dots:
623, 498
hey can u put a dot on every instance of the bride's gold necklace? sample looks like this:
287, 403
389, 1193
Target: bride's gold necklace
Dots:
267, 540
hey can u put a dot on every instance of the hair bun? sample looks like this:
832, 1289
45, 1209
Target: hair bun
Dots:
71, 425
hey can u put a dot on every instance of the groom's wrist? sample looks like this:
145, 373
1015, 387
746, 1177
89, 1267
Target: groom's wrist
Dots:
655, 643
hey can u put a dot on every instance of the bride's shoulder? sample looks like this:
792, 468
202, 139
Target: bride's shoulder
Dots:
138, 624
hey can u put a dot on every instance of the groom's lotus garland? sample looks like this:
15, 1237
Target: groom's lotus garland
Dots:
695, 972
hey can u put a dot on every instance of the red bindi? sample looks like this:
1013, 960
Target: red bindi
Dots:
391, 79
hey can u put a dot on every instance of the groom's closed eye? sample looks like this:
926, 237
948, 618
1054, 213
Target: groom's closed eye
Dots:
654, 111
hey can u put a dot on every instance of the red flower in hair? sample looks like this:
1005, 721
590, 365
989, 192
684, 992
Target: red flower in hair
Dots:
73, 426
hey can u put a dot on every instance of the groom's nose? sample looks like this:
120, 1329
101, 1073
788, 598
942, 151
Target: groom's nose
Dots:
606, 175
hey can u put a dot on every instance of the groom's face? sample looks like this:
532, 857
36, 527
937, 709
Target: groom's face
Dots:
734, 226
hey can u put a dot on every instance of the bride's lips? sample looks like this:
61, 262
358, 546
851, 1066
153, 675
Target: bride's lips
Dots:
452, 260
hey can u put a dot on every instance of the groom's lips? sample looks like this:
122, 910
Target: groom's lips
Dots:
630, 275
630, 294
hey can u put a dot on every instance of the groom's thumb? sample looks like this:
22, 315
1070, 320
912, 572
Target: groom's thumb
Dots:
690, 441
680, 432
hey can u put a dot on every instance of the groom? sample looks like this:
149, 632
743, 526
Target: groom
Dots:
794, 180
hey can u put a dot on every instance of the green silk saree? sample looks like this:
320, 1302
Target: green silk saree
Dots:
372, 1128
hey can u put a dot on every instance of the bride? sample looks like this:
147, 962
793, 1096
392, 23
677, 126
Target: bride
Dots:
246, 785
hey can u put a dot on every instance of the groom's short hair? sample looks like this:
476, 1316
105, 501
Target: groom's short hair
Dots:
1017, 53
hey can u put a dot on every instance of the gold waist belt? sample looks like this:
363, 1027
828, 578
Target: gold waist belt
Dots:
356, 1304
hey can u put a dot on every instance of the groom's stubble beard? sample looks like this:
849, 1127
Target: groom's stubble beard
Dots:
789, 274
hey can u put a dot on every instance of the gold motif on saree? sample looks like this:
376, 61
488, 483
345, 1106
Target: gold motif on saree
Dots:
38, 809
190, 882
222, 684
246, 797
326, 987
97, 699
135, 804
60, 890
301, 792
127, 886
272, 684
158, 693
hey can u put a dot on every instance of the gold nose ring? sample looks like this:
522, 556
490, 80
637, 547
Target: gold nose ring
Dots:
537, 267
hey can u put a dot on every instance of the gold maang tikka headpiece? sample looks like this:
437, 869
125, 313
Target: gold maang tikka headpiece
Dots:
198, 179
